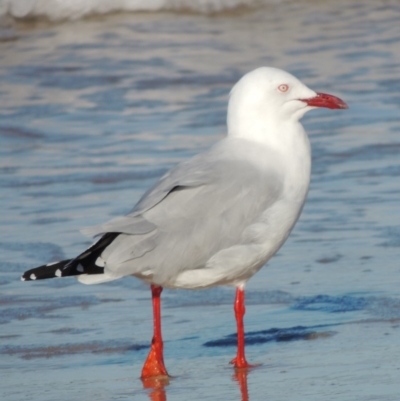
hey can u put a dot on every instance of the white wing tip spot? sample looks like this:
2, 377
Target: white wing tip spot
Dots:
58, 273
32, 277
80, 268
99, 262
23, 278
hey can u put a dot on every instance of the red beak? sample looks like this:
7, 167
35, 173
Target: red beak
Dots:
324, 100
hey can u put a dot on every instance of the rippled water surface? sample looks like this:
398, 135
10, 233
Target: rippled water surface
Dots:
93, 111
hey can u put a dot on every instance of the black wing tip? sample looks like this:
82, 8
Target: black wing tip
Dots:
51, 270
31, 276
85, 263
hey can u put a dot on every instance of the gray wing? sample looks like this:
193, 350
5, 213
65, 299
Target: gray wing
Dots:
183, 175
191, 173
200, 207
199, 170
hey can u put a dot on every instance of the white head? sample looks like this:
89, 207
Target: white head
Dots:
266, 98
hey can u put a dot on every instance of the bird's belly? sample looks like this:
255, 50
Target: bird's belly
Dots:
240, 262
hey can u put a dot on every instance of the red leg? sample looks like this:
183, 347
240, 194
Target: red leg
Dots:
154, 365
240, 360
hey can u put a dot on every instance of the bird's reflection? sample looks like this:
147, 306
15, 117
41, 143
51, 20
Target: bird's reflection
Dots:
240, 376
157, 386
158, 393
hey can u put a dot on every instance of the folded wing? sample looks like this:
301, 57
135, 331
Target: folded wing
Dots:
197, 209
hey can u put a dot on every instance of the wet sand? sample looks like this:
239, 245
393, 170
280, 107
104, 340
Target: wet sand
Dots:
93, 111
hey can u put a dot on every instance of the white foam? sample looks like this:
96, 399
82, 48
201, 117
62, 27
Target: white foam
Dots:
75, 9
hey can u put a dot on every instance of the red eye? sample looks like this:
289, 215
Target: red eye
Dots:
283, 88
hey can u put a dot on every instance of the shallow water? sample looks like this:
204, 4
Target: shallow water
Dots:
93, 111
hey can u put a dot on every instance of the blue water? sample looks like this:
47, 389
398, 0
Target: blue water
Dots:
93, 111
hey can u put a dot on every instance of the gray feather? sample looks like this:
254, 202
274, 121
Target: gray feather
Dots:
124, 224
220, 194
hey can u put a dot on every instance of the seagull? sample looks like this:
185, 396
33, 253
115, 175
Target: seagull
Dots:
218, 217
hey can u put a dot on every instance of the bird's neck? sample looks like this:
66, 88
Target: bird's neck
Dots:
275, 133
287, 139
